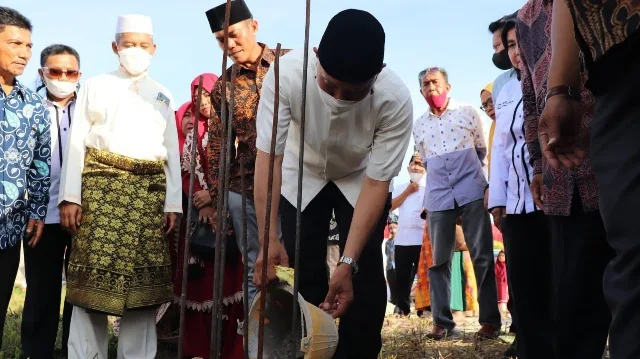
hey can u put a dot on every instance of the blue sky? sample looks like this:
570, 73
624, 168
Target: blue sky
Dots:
420, 33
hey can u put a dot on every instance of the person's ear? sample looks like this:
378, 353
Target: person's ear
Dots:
114, 47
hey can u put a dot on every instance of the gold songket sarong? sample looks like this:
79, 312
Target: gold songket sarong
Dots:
120, 258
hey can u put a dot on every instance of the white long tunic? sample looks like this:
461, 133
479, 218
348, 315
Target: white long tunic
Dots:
129, 116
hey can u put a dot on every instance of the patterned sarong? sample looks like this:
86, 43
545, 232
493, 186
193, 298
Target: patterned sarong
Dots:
120, 259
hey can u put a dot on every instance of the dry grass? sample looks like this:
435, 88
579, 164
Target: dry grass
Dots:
402, 338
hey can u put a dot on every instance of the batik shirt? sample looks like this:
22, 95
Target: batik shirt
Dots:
25, 157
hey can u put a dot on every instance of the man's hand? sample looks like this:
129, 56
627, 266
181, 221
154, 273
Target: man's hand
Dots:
498, 214
201, 199
558, 132
413, 188
206, 214
340, 294
277, 257
34, 232
486, 198
536, 191
169, 222
70, 216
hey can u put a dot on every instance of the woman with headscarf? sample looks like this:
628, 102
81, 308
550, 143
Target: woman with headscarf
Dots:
200, 267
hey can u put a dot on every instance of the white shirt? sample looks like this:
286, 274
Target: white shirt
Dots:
342, 143
452, 147
410, 225
129, 116
511, 172
61, 119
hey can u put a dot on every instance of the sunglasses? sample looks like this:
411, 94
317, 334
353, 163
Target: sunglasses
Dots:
428, 70
485, 105
55, 74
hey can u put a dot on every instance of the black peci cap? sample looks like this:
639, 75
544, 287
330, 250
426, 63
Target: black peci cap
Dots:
352, 46
239, 12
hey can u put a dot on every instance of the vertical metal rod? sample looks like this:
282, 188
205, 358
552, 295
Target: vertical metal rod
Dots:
185, 255
267, 222
213, 352
227, 179
245, 261
296, 277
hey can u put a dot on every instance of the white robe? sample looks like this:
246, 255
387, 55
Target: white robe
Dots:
129, 116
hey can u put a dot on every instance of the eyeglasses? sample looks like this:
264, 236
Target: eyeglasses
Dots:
55, 74
485, 105
430, 70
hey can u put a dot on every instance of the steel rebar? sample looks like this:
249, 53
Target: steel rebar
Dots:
296, 262
185, 256
225, 205
267, 223
245, 261
220, 210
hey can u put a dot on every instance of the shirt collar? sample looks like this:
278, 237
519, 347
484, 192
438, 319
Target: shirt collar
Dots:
51, 103
451, 106
19, 88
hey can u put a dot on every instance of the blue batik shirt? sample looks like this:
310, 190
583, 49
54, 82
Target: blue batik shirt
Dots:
25, 157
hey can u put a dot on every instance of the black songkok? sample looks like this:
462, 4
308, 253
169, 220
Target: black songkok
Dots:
352, 47
239, 12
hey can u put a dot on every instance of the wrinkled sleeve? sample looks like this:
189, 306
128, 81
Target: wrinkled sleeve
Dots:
417, 139
531, 117
499, 171
480, 141
39, 173
264, 119
73, 164
213, 144
390, 141
173, 198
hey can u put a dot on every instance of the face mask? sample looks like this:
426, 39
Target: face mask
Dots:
501, 60
135, 60
416, 177
60, 89
438, 101
333, 102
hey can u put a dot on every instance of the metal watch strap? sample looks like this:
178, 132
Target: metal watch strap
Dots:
572, 92
351, 262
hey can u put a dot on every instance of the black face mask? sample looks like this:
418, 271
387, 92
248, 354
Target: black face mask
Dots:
501, 60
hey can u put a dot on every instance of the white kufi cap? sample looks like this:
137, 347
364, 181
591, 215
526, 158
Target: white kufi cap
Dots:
134, 23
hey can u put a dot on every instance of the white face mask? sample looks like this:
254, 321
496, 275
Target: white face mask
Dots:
416, 177
60, 89
135, 60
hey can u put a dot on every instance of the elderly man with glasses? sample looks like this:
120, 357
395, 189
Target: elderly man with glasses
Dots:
451, 142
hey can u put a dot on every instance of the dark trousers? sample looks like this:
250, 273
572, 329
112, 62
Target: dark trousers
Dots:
615, 154
477, 233
9, 263
360, 328
580, 256
407, 259
391, 279
527, 242
41, 315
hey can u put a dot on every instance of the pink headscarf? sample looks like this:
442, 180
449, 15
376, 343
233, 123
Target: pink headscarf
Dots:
179, 118
208, 82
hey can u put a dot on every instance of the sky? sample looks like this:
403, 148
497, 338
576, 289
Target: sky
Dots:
419, 34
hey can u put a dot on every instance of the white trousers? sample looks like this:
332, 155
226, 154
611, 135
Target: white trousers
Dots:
89, 337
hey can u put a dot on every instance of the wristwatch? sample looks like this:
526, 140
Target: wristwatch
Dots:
351, 262
572, 92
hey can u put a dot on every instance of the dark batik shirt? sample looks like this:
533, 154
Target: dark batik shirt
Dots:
534, 38
603, 24
248, 86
